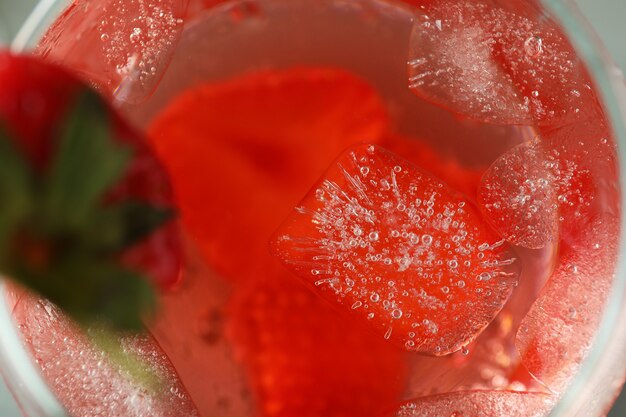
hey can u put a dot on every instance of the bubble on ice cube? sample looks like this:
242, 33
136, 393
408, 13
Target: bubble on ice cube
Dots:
495, 64
519, 197
123, 47
398, 269
557, 333
451, 64
478, 403
85, 380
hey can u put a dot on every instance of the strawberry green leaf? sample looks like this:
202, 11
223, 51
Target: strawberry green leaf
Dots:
16, 190
60, 236
114, 228
92, 291
87, 163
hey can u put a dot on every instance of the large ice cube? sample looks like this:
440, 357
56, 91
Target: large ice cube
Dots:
495, 62
123, 47
86, 380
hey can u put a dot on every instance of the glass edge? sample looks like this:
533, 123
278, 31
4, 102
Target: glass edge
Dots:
598, 63
608, 81
38, 399
16, 361
33, 28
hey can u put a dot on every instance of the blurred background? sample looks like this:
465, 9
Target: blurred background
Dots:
606, 16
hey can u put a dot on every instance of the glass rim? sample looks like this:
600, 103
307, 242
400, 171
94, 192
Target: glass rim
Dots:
609, 83
607, 80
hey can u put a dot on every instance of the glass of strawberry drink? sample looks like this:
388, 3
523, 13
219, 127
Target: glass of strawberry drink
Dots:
458, 240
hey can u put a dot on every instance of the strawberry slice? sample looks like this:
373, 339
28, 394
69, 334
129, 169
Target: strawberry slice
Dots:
462, 178
241, 152
96, 201
304, 360
122, 46
478, 403
400, 250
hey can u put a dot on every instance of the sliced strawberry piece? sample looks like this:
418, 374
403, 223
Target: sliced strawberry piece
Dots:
35, 103
243, 151
478, 403
304, 360
400, 250
519, 69
85, 380
557, 333
452, 172
122, 46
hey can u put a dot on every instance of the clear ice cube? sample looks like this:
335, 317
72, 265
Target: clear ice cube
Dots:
495, 62
86, 380
123, 47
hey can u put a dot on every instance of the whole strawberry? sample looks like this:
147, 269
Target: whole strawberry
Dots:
83, 201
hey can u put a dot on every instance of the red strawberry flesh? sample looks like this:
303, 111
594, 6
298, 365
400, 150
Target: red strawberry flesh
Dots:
304, 360
242, 152
34, 105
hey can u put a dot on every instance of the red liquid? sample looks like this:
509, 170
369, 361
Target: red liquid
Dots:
244, 337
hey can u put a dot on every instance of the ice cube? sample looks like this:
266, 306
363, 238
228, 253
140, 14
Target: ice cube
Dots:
451, 64
585, 163
86, 380
519, 197
497, 63
399, 249
478, 403
555, 336
123, 47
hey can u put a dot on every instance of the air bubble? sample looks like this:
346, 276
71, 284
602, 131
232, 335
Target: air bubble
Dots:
533, 46
388, 333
